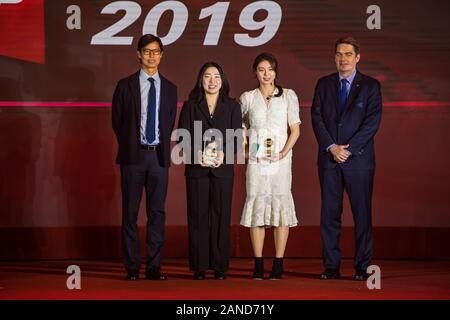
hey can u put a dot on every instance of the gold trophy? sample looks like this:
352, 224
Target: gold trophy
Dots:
268, 147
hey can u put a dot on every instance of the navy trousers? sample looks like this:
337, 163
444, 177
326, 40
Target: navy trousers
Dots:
148, 175
359, 186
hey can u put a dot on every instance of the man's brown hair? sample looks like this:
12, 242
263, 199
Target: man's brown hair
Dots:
348, 40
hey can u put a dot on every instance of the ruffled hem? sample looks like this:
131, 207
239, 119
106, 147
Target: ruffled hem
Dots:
269, 211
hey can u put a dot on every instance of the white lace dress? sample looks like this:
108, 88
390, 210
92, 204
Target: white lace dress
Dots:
269, 199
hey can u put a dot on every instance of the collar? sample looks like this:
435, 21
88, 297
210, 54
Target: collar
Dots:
350, 78
144, 76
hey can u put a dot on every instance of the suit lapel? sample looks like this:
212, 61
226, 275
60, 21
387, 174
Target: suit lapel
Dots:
162, 99
203, 106
135, 88
218, 112
335, 92
354, 91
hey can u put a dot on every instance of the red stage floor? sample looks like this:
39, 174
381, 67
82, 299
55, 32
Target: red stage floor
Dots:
400, 279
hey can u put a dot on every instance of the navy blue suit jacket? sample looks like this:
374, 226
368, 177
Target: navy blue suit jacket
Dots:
126, 119
356, 126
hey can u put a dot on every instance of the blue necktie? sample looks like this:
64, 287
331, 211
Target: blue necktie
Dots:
151, 113
343, 95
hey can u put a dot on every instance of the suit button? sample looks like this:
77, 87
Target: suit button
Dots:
340, 124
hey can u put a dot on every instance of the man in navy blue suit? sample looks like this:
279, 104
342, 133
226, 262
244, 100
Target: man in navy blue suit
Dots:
346, 114
144, 109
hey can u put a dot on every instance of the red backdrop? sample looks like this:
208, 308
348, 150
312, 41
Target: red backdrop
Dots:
59, 186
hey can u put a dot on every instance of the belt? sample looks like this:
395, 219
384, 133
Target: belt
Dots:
148, 148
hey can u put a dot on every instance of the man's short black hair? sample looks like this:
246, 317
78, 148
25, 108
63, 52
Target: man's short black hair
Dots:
149, 38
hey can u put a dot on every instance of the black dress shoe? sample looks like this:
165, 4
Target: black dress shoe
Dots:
154, 274
199, 275
329, 274
218, 275
360, 275
132, 277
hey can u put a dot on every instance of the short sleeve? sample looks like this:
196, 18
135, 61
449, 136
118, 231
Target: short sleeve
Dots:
244, 101
293, 110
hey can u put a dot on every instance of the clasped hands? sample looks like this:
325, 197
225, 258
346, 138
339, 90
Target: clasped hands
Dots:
340, 152
216, 162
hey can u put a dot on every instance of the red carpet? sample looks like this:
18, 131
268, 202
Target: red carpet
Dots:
400, 279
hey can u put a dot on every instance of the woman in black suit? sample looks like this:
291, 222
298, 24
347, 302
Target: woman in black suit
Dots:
209, 178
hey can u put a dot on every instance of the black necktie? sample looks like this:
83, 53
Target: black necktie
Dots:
151, 113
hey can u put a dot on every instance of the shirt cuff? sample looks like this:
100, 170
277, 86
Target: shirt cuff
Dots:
328, 148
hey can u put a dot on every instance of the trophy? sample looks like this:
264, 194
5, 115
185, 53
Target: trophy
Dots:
211, 149
262, 146
268, 147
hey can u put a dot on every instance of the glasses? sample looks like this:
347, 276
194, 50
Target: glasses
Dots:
148, 52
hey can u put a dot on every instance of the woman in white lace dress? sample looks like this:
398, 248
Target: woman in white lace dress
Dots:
268, 112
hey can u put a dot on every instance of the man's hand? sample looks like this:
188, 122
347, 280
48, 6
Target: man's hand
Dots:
340, 153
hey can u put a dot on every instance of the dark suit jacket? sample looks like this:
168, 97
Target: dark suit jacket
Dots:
226, 116
356, 126
126, 119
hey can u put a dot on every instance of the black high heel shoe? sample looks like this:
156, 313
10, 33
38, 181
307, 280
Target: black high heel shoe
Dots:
277, 269
258, 271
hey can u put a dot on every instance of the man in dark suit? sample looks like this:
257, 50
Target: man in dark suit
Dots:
346, 114
143, 116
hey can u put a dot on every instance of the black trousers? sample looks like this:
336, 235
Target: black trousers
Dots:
209, 213
359, 187
134, 178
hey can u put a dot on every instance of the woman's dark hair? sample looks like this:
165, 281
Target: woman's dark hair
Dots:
270, 58
197, 93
